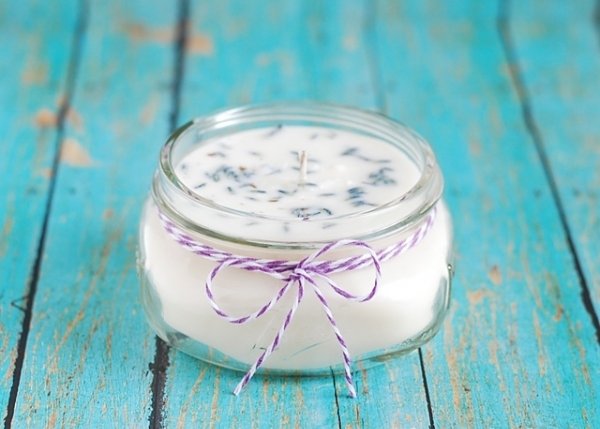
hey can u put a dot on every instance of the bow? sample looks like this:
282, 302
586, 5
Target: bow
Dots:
306, 273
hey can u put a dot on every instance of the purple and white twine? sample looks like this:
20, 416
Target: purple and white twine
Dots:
306, 272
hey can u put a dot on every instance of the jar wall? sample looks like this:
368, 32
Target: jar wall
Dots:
406, 311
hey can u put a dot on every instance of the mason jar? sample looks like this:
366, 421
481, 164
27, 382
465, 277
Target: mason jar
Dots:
295, 239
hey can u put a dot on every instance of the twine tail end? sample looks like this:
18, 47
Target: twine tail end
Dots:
240, 386
351, 389
238, 389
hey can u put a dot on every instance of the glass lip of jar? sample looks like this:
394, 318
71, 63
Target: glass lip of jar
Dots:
428, 188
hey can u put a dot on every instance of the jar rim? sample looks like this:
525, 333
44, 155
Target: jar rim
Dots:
169, 190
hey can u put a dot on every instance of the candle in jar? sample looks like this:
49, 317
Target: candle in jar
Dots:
295, 184
258, 171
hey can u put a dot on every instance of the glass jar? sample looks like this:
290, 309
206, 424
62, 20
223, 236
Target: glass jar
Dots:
201, 312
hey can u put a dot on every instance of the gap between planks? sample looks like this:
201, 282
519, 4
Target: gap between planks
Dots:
596, 20
426, 388
161, 355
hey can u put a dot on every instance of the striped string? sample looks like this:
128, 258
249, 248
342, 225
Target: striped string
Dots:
307, 272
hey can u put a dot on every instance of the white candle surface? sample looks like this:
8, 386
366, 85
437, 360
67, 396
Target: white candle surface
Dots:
257, 175
258, 172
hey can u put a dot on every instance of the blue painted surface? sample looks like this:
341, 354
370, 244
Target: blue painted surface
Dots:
518, 332
33, 68
89, 349
519, 348
564, 100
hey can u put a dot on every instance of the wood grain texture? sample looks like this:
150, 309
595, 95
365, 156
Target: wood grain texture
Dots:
558, 54
518, 349
316, 46
89, 349
33, 80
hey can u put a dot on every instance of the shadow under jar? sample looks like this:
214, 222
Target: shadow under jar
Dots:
278, 183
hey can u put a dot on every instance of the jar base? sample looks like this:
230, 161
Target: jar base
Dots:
210, 355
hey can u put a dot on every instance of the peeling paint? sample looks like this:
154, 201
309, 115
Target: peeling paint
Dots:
197, 43
45, 118
73, 154
495, 275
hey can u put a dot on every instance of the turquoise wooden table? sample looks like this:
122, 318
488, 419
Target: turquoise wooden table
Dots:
507, 94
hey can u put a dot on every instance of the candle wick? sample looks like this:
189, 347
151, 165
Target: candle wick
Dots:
303, 160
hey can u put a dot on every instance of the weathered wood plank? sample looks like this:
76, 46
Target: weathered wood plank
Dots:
89, 349
284, 50
34, 65
518, 349
559, 61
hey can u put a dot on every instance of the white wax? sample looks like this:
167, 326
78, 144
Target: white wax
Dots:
258, 172
401, 309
